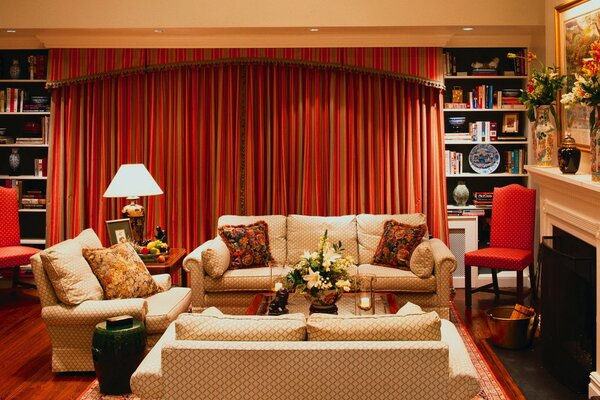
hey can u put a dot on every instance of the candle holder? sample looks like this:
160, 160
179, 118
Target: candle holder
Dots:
364, 299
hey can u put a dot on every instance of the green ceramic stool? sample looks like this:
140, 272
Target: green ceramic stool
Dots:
117, 352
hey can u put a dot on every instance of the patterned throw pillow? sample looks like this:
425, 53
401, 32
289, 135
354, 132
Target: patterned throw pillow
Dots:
421, 260
121, 272
397, 243
248, 244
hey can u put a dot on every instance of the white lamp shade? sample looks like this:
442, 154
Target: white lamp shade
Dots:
132, 180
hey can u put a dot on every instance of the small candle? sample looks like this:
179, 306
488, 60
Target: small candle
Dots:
278, 285
365, 303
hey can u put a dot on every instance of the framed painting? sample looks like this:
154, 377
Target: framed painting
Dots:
510, 123
119, 230
577, 25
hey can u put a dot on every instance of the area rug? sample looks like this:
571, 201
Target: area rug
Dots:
490, 388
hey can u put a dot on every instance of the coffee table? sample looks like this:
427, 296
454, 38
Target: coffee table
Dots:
385, 303
172, 265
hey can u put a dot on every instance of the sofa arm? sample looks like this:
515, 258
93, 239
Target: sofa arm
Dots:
163, 281
193, 264
92, 312
444, 266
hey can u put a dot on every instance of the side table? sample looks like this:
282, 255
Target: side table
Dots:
117, 352
172, 265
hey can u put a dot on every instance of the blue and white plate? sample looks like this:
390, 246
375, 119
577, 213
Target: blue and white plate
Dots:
484, 158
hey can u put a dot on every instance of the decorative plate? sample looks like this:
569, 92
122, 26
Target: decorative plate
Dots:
484, 158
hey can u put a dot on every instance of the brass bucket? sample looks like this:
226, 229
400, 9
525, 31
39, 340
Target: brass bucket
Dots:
510, 333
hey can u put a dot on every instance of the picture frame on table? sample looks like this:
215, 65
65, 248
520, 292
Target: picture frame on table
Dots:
119, 230
576, 26
510, 123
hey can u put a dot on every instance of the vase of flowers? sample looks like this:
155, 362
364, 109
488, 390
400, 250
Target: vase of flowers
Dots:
586, 91
322, 276
539, 99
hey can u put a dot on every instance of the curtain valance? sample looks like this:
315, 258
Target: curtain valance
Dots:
419, 64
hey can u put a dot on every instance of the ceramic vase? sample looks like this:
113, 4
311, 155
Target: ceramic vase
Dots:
461, 194
595, 145
323, 301
14, 162
543, 140
569, 156
15, 69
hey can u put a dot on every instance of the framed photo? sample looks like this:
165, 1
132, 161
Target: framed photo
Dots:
577, 25
119, 230
510, 123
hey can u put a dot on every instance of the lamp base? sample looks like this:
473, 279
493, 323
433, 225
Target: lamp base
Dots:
137, 217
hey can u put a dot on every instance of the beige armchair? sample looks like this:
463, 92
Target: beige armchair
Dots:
71, 327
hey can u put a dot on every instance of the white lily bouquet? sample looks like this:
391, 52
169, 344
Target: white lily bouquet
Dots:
323, 270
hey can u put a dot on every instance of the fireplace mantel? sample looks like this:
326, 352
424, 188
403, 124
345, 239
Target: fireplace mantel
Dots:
572, 203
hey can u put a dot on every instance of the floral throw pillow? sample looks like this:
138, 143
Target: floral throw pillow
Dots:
121, 272
397, 244
248, 244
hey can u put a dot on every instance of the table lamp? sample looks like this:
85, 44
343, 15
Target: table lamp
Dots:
132, 181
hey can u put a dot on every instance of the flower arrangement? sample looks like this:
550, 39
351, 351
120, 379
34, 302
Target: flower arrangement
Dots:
321, 270
542, 87
586, 89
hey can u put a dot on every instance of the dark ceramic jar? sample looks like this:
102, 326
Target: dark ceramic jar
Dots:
568, 156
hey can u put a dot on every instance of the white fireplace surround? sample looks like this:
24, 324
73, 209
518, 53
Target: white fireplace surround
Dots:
572, 203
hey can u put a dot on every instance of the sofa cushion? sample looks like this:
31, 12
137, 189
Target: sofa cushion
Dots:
323, 327
70, 274
370, 227
277, 231
209, 326
245, 279
390, 279
410, 308
248, 244
305, 231
421, 261
216, 258
397, 243
121, 272
164, 307
88, 239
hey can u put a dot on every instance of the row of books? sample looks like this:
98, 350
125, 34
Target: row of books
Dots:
18, 100
515, 161
28, 198
479, 131
519, 63
41, 137
466, 211
454, 162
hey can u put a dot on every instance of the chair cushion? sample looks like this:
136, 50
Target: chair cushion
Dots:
216, 258
305, 231
121, 272
245, 279
391, 279
370, 226
11, 256
421, 261
70, 274
164, 307
500, 258
323, 327
397, 243
277, 231
248, 244
211, 326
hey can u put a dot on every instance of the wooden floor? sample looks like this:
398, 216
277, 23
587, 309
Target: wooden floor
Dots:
25, 369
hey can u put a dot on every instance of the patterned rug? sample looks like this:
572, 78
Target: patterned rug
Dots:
490, 388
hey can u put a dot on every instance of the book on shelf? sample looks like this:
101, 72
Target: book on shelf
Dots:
458, 136
6, 140
40, 166
483, 131
483, 196
473, 211
454, 162
482, 203
505, 136
30, 140
484, 72
515, 161
454, 211
456, 105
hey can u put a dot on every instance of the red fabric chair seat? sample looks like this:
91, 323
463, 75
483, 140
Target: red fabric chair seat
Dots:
11, 256
500, 258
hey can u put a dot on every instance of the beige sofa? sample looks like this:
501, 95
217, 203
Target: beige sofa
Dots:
255, 365
290, 235
71, 327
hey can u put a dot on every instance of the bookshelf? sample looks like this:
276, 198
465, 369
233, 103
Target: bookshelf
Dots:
24, 130
495, 126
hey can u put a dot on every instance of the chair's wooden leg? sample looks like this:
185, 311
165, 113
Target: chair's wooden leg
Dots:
533, 284
495, 283
468, 286
15, 277
520, 287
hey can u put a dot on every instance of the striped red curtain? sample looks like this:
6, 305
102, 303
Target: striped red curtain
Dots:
258, 138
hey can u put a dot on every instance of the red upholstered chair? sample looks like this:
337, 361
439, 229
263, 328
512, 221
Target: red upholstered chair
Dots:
511, 241
12, 254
